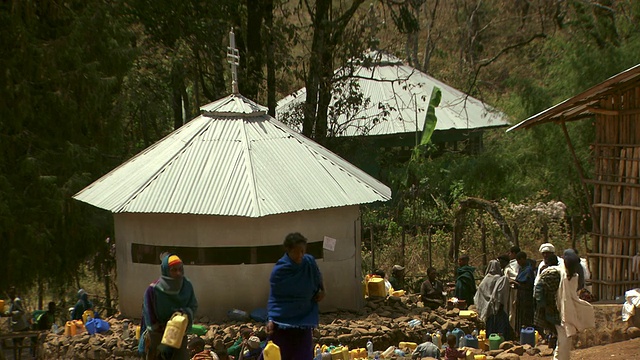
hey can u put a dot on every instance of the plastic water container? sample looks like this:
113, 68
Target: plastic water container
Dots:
458, 333
340, 353
353, 354
437, 339
238, 315
494, 341
528, 336
467, 314
468, 355
70, 328
376, 287
271, 351
480, 357
387, 353
175, 330
370, 349
407, 345
87, 315
138, 332
125, 329
79, 326
482, 341
471, 341
198, 329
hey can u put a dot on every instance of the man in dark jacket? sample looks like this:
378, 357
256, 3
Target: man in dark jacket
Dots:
465, 280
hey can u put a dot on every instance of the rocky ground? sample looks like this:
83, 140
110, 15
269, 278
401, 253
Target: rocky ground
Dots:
383, 321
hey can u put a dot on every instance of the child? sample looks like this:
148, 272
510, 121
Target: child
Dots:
451, 353
197, 350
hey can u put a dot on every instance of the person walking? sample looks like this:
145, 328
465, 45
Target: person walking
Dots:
575, 314
547, 315
296, 287
171, 293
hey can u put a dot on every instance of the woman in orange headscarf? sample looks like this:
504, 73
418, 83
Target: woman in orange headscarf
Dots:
172, 292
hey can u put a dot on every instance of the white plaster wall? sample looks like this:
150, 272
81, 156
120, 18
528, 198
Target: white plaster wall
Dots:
221, 288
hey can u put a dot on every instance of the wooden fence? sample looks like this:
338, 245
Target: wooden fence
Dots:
616, 195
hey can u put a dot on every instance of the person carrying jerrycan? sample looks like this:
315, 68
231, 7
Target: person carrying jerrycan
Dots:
171, 293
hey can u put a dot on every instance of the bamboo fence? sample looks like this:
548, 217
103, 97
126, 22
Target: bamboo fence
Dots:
616, 195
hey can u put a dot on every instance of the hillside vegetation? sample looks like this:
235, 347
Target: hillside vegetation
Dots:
85, 84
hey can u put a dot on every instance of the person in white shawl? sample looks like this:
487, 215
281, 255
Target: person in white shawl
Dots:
511, 271
492, 299
575, 314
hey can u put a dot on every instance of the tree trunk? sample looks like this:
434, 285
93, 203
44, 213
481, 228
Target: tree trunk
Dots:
327, 35
107, 291
254, 49
318, 49
458, 226
271, 64
177, 89
430, 43
324, 98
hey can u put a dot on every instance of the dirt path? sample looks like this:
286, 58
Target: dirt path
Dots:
624, 350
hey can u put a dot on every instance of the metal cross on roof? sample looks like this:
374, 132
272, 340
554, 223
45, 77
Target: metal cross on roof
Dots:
233, 58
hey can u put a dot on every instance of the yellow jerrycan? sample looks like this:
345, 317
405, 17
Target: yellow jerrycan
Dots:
86, 316
70, 328
175, 330
271, 351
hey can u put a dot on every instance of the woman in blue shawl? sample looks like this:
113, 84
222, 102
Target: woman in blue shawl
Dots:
82, 305
524, 302
296, 289
172, 292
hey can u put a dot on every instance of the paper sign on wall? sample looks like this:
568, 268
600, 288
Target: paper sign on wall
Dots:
329, 243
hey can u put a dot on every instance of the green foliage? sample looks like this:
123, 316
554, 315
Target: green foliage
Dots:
430, 119
60, 128
86, 84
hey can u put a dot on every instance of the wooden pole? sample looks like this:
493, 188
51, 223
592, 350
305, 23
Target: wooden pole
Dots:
430, 247
582, 177
373, 252
404, 233
483, 237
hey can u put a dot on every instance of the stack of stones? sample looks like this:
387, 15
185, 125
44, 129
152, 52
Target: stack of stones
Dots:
384, 321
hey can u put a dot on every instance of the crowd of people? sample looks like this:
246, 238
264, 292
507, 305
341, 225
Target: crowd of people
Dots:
517, 294
514, 293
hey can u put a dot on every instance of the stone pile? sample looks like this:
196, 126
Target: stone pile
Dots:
383, 321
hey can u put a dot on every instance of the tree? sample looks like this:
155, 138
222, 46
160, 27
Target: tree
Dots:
61, 127
328, 30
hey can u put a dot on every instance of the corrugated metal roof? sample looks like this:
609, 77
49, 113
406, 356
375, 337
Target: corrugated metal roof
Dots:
584, 104
234, 160
398, 99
